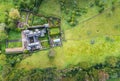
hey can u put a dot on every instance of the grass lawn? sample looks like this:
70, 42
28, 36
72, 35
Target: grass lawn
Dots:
14, 35
50, 8
91, 41
45, 44
54, 31
14, 44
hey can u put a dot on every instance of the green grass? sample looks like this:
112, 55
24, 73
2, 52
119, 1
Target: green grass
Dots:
98, 26
54, 31
14, 44
78, 47
45, 44
4, 6
43, 38
14, 35
50, 8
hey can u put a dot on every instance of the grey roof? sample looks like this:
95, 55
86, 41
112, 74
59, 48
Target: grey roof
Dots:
56, 40
37, 33
46, 25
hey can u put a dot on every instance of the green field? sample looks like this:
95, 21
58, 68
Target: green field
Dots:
89, 50
95, 35
90, 41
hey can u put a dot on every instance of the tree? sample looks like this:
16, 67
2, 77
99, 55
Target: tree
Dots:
51, 74
111, 61
84, 65
30, 5
80, 76
3, 35
14, 14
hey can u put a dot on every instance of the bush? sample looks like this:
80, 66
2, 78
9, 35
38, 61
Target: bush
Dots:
111, 61
92, 42
81, 76
51, 53
14, 14
26, 52
84, 65
101, 9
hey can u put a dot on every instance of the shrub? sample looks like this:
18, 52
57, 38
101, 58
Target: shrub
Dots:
14, 14
111, 61
101, 9
51, 53
80, 76
91, 4
117, 26
84, 65
26, 52
92, 42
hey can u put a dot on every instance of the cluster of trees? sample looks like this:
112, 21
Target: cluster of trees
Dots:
72, 9
104, 4
81, 72
13, 16
29, 5
48, 74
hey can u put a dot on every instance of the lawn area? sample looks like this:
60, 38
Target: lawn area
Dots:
45, 44
14, 44
14, 35
91, 41
50, 8
54, 31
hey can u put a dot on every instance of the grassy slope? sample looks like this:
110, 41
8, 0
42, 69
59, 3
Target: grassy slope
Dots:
78, 48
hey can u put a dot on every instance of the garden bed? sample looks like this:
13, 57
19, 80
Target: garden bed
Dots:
14, 44
45, 44
54, 31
